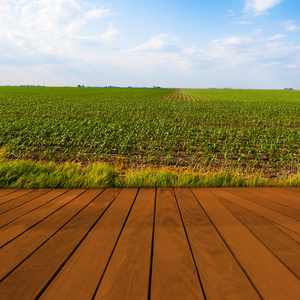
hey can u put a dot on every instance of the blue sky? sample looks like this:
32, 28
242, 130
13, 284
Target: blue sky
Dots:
184, 44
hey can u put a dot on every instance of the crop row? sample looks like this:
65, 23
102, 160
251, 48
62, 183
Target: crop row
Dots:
246, 128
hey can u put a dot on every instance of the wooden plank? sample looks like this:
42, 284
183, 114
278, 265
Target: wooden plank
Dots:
265, 212
174, 274
269, 276
279, 196
81, 275
22, 200
280, 244
32, 276
4, 192
282, 195
23, 246
295, 236
128, 272
262, 199
215, 263
14, 195
292, 193
30, 206
17, 227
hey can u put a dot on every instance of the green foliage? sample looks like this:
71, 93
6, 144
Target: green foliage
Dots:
254, 130
70, 175
50, 175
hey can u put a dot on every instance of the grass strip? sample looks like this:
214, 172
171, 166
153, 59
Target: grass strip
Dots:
31, 174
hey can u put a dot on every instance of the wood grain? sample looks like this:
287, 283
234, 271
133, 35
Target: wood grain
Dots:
215, 263
16, 194
12, 254
269, 276
80, 276
276, 217
20, 225
165, 243
34, 274
22, 200
292, 193
279, 195
4, 192
295, 236
30, 206
266, 200
127, 275
280, 244
174, 275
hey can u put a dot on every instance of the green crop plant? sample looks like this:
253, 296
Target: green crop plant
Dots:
254, 130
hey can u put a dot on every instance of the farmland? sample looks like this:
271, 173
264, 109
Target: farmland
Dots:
256, 131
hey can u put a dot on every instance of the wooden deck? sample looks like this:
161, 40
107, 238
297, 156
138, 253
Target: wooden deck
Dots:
213, 243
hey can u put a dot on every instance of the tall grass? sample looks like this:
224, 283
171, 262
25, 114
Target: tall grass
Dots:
32, 174
50, 175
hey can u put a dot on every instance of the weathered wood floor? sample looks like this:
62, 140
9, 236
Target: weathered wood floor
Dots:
229, 243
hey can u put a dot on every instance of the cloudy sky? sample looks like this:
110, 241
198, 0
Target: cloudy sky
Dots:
170, 43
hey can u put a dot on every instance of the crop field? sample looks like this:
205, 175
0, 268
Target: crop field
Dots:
252, 130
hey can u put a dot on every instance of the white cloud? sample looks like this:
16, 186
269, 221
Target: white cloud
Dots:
270, 64
110, 33
260, 6
160, 42
230, 13
275, 37
96, 13
236, 61
292, 66
272, 45
52, 39
94, 39
290, 26
242, 22
231, 59
160, 52
233, 40
52, 27
257, 31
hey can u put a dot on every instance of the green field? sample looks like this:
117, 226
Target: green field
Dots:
254, 131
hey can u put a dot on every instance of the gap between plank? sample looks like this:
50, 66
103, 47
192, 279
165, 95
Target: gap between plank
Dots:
246, 274
186, 235
113, 250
